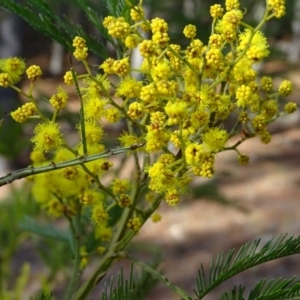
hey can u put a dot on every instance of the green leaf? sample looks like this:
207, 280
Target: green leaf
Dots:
123, 290
43, 296
248, 256
264, 290
47, 230
39, 15
235, 295
115, 214
162, 278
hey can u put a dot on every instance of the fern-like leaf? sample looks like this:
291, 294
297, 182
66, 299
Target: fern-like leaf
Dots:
287, 289
43, 296
39, 15
118, 8
123, 290
224, 267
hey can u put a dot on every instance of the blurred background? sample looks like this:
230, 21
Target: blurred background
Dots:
240, 203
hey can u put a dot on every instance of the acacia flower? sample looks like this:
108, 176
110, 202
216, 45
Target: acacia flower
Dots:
14, 66
33, 72
215, 139
47, 137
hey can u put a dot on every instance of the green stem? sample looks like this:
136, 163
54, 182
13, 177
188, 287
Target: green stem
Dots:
111, 254
82, 119
75, 228
32, 170
157, 275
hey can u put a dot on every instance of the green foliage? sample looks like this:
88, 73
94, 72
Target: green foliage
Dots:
224, 267
40, 15
264, 290
123, 290
43, 296
47, 230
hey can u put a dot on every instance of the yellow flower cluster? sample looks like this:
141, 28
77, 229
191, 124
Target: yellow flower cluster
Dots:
11, 70
24, 112
81, 50
176, 112
60, 99
134, 224
33, 72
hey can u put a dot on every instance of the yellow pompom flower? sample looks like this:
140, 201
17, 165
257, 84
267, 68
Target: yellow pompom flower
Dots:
206, 168
259, 47
124, 200
5, 80
99, 214
24, 112
215, 40
266, 83
70, 173
14, 66
243, 159
285, 88
37, 156
127, 139
135, 223
161, 71
59, 100
112, 115
214, 57
157, 122
259, 123
129, 88
93, 132
89, 197
265, 136
155, 217
232, 4
215, 139
161, 38
95, 108
117, 27
68, 78
121, 67
107, 65
81, 51
132, 41
119, 186
290, 107
166, 159
159, 25
176, 112
172, 197
148, 48
137, 13
135, 110
194, 153
216, 11
190, 31
81, 54
103, 233
278, 7
33, 72
243, 94
79, 42
47, 137
233, 17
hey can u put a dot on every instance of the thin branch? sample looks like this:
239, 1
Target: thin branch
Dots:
32, 170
